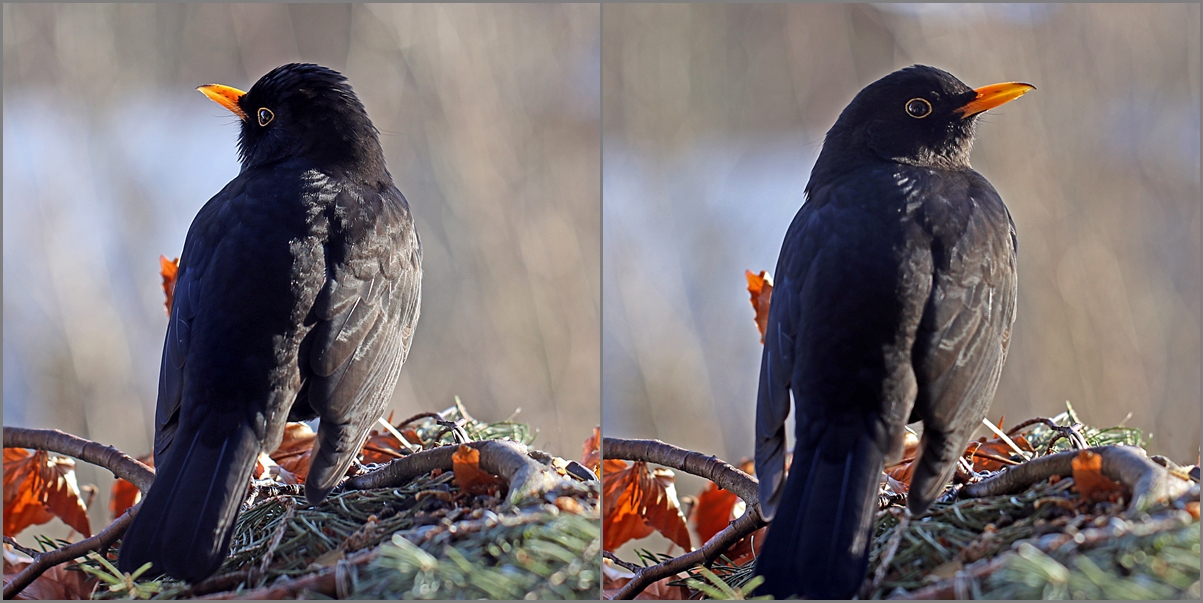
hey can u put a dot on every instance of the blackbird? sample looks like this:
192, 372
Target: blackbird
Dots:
893, 303
298, 291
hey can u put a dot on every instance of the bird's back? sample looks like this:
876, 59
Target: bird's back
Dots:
891, 300
851, 286
283, 282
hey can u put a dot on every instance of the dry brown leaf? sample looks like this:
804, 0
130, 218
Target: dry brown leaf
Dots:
591, 455
124, 494
38, 487
55, 584
996, 448
714, 511
382, 446
1089, 480
267, 467
760, 286
637, 500
468, 475
295, 450
621, 516
169, 270
903, 470
656, 591
897, 486
22, 508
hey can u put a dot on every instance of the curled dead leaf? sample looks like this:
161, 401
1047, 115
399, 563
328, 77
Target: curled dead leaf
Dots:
39, 486
169, 270
714, 511
591, 455
295, 450
382, 446
1089, 480
760, 286
636, 500
468, 475
124, 494
59, 583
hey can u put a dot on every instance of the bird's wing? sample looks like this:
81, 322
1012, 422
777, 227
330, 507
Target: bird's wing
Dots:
851, 284
963, 338
184, 307
777, 364
365, 317
838, 330
175, 351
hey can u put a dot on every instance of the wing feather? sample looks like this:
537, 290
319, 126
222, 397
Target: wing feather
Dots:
365, 314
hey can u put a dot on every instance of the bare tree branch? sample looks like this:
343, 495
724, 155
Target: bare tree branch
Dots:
749, 522
1128, 465
53, 440
527, 478
694, 463
702, 465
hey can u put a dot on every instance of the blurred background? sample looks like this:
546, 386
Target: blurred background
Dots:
713, 116
489, 118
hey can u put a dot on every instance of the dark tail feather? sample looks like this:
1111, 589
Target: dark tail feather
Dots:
818, 544
187, 519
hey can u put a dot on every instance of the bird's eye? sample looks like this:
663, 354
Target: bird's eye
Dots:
265, 116
916, 107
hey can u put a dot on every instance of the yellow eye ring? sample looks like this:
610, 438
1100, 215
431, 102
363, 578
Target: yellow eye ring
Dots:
918, 108
265, 116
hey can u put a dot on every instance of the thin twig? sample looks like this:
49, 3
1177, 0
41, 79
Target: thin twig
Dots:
409, 447
1038, 420
627, 565
49, 559
290, 505
1073, 433
947, 589
422, 415
883, 566
997, 459
1085, 539
217, 584
998, 432
747, 523
24, 549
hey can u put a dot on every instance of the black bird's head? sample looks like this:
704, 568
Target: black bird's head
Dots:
919, 115
305, 112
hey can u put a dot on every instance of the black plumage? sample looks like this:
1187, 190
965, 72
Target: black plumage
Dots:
298, 291
893, 303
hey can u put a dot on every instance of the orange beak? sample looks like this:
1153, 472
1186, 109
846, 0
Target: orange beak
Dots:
225, 96
989, 97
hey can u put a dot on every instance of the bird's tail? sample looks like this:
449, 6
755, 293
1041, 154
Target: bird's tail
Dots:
186, 520
817, 546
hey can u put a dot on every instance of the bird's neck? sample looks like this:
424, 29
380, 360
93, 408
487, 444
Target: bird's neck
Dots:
840, 155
